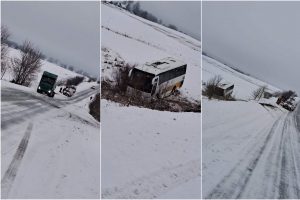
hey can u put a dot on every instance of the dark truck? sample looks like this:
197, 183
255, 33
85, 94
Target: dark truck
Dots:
47, 84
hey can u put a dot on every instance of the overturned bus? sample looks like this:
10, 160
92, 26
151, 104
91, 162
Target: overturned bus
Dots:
47, 84
157, 79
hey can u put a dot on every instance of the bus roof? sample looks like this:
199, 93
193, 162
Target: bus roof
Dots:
160, 66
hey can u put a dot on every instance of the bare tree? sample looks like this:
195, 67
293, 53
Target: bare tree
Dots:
136, 8
210, 89
171, 26
121, 77
27, 66
259, 92
4, 50
287, 94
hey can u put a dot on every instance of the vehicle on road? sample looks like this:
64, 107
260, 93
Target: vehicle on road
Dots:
69, 90
157, 79
47, 84
93, 87
289, 105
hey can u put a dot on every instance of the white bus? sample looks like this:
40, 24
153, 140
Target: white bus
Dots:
158, 79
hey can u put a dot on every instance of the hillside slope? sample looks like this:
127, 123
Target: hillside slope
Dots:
137, 41
244, 84
46, 66
148, 153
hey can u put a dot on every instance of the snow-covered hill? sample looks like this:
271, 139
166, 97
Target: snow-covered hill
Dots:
46, 66
137, 40
148, 153
62, 73
244, 84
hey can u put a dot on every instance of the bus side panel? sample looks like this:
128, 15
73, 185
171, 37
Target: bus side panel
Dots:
166, 88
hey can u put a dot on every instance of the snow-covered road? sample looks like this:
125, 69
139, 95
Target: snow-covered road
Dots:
250, 151
48, 149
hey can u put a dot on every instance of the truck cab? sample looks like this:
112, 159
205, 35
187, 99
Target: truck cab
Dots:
47, 84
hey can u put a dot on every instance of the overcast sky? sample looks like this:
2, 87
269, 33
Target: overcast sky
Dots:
186, 15
262, 38
67, 31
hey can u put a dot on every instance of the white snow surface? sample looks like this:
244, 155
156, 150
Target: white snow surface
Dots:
147, 153
250, 150
62, 158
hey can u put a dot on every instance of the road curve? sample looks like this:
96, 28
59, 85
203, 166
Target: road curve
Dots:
18, 106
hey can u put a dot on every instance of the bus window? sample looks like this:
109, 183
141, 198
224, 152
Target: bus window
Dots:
141, 80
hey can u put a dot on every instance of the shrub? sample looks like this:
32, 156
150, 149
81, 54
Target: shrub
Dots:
4, 50
259, 92
74, 81
210, 88
95, 107
171, 26
27, 66
287, 94
92, 79
121, 77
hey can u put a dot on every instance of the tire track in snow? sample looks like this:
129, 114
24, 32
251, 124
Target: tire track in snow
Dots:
11, 172
288, 181
283, 186
234, 183
155, 184
275, 163
9, 119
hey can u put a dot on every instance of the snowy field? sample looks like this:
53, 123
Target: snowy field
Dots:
147, 153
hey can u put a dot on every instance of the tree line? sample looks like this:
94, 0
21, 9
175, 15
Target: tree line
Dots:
135, 8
